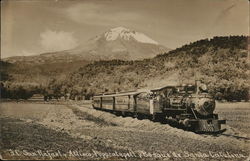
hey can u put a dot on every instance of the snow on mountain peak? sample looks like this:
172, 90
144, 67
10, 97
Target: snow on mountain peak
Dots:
126, 34
119, 29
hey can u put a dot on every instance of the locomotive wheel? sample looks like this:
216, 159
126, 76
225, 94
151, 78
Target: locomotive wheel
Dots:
186, 122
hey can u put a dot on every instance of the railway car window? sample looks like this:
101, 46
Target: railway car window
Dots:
107, 99
122, 100
97, 99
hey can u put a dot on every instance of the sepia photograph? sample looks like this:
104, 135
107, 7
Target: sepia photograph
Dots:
125, 80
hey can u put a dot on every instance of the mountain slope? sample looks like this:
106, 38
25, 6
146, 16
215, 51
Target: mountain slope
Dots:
117, 43
220, 62
120, 43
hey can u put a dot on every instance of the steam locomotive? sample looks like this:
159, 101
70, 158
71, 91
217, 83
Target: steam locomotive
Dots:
190, 106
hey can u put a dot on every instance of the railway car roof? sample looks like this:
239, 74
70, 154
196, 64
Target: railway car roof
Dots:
161, 88
119, 94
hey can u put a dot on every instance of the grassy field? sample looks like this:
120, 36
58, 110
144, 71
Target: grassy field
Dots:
236, 114
28, 128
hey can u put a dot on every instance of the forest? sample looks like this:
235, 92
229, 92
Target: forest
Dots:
220, 62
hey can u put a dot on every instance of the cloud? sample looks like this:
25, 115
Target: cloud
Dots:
57, 40
100, 14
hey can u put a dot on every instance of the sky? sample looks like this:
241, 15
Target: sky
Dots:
30, 27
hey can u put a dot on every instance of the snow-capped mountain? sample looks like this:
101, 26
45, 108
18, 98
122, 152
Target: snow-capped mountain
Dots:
117, 43
120, 43
126, 34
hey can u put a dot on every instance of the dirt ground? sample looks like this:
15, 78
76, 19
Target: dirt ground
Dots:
76, 131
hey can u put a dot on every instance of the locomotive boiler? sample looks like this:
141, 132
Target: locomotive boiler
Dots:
190, 106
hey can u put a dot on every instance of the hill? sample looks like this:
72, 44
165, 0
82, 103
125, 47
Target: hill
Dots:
117, 43
39, 74
220, 62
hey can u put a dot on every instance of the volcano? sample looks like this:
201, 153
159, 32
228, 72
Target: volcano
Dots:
120, 43
116, 43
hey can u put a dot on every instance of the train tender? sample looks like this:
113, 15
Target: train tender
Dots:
191, 106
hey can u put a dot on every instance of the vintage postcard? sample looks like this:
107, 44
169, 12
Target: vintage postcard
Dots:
125, 80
